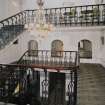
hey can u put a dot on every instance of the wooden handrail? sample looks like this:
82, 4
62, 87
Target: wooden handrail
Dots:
59, 68
44, 61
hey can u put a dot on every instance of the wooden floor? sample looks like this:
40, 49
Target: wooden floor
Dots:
91, 85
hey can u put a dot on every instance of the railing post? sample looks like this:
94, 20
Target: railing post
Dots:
75, 86
70, 89
8, 39
45, 85
98, 15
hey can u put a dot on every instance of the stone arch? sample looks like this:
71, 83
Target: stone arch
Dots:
85, 48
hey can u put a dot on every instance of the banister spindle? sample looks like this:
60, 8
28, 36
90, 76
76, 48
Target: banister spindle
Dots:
70, 58
42, 53
55, 18
65, 16
65, 58
46, 57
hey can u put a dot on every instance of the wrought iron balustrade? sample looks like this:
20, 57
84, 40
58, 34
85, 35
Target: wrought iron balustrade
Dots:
20, 83
10, 77
87, 15
32, 74
47, 58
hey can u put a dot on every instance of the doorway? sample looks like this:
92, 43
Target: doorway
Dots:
57, 88
85, 49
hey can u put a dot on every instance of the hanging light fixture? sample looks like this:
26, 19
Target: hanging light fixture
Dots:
40, 26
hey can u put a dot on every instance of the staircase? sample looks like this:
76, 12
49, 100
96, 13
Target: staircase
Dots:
9, 33
91, 85
11, 27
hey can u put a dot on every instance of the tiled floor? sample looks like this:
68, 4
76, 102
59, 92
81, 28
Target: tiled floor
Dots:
91, 85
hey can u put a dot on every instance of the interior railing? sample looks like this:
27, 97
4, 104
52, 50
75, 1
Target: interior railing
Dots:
87, 15
51, 59
20, 85
27, 82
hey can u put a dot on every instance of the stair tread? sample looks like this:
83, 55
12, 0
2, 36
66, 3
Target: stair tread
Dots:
91, 85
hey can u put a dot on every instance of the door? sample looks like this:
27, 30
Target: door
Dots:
56, 88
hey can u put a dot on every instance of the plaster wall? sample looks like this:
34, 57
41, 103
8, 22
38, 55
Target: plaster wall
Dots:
69, 36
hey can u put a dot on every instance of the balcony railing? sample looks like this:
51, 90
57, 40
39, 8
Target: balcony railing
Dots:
51, 59
17, 83
87, 15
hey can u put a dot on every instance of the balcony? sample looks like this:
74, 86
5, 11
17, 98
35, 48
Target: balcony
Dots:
59, 60
87, 15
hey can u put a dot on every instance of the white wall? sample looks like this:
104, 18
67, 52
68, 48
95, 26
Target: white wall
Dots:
69, 36
14, 6
9, 54
9, 8
3, 8
102, 51
31, 4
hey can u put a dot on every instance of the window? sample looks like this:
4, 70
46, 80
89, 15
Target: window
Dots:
32, 48
57, 48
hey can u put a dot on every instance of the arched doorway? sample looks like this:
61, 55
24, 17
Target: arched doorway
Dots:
57, 45
85, 49
33, 48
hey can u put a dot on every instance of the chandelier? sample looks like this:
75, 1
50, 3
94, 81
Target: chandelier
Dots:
40, 25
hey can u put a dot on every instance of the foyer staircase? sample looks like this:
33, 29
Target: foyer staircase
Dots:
11, 27
9, 33
91, 85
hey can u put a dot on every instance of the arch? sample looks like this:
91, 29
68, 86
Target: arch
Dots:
85, 48
56, 46
33, 48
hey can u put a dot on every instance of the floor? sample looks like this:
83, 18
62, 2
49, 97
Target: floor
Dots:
91, 85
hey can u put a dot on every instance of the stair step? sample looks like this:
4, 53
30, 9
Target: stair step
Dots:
91, 85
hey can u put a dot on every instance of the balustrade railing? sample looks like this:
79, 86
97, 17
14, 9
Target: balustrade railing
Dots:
18, 82
51, 59
24, 84
87, 15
